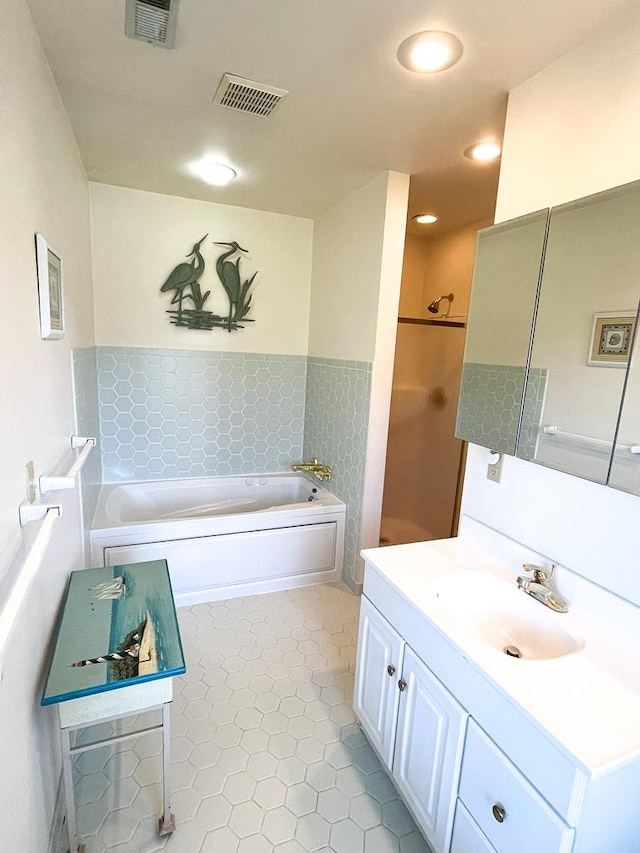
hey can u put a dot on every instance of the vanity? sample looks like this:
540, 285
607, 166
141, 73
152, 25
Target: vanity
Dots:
490, 752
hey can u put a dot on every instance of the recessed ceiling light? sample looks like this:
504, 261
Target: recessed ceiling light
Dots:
425, 219
429, 52
214, 173
484, 151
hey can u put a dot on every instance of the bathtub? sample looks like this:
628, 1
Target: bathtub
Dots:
223, 536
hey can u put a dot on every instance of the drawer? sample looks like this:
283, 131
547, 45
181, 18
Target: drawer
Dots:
467, 837
490, 785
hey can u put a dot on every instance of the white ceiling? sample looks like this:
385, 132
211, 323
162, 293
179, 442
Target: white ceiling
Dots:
142, 114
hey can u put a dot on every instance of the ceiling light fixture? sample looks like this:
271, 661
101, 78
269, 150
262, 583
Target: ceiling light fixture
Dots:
429, 51
425, 218
214, 173
483, 151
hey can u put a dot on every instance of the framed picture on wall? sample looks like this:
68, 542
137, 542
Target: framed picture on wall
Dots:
611, 339
49, 265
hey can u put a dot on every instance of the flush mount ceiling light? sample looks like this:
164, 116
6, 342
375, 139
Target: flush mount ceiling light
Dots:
483, 151
214, 173
430, 51
425, 218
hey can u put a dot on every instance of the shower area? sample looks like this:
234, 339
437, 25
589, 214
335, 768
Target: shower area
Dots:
425, 462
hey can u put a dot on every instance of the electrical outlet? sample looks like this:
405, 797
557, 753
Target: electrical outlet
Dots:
494, 468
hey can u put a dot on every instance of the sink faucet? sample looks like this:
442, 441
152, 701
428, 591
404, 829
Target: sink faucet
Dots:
539, 588
322, 472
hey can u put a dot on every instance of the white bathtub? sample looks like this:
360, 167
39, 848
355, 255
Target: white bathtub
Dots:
223, 536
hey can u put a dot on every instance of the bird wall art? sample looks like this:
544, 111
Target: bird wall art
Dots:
184, 282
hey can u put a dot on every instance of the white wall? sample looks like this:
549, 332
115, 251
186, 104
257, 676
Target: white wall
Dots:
44, 189
139, 237
571, 130
392, 245
357, 269
350, 242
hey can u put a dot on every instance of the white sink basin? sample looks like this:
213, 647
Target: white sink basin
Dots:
503, 617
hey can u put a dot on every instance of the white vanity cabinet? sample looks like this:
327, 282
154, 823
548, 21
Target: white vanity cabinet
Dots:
475, 764
441, 766
504, 806
377, 697
415, 725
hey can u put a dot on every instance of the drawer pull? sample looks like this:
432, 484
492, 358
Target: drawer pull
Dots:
391, 669
401, 685
498, 813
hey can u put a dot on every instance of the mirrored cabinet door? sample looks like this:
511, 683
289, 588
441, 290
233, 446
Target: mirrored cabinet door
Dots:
503, 296
583, 334
625, 465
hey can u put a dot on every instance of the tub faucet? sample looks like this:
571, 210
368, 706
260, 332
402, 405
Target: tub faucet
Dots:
539, 588
322, 472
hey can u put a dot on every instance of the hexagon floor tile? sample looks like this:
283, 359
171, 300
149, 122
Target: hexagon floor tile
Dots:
266, 754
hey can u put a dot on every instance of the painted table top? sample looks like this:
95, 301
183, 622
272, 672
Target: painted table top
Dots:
118, 627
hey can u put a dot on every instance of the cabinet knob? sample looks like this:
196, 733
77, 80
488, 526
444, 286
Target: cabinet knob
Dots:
498, 813
401, 685
391, 669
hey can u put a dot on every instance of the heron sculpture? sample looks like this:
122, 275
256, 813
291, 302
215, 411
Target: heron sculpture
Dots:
229, 275
187, 274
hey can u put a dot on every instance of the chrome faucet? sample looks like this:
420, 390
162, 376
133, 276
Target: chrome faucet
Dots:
322, 472
538, 587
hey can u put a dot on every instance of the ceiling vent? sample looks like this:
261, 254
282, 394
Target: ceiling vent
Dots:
153, 21
238, 93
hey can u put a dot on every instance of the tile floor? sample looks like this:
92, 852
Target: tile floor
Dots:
266, 754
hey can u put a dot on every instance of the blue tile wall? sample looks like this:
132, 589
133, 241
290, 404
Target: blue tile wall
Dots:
532, 412
85, 378
490, 399
335, 431
184, 413
489, 408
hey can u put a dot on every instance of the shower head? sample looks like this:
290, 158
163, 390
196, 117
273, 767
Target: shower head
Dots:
434, 307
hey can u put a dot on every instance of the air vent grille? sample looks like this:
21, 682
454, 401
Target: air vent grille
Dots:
153, 21
247, 96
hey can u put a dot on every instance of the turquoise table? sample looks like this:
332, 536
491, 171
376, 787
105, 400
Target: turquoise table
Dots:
117, 649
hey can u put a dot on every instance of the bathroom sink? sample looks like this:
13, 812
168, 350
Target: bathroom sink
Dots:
503, 617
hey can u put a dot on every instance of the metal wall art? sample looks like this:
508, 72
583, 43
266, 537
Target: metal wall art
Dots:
184, 281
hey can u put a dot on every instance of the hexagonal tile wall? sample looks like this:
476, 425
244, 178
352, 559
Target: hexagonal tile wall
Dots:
490, 400
267, 756
335, 429
184, 413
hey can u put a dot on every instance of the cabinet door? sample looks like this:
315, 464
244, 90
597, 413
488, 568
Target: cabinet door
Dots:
378, 667
505, 806
428, 750
503, 299
467, 837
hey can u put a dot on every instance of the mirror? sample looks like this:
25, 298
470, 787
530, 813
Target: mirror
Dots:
625, 465
584, 331
503, 297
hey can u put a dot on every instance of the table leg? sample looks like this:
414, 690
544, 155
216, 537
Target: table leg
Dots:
75, 844
167, 821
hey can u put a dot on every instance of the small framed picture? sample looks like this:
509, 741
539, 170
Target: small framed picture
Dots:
49, 266
611, 339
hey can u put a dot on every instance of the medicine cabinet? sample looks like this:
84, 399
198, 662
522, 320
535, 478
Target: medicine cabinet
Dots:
580, 394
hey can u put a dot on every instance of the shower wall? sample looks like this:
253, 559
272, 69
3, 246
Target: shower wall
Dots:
423, 457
